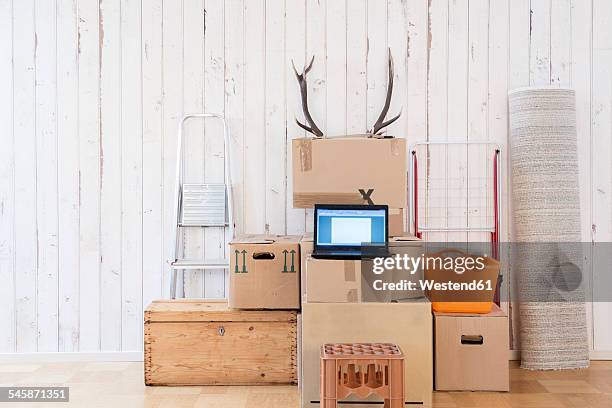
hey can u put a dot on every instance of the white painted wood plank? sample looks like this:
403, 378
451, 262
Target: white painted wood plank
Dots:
295, 50
539, 63
561, 28
417, 65
458, 103
194, 156
153, 262
479, 172
214, 238
499, 20
336, 67
434, 165
24, 129
89, 162
518, 76
581, 53
7, 208
601, 159
276, 143
377, 54
316, 35
172, 71
254, 123
234, 102
46, 175
397, 34
68, 175
520, 29
131, 163
356, 65
110, 190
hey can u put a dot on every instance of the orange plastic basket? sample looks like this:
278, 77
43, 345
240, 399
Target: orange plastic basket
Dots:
462, 301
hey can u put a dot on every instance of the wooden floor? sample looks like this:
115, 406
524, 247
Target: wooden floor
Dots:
118, 385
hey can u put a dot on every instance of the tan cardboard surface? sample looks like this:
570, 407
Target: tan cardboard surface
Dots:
306, 248
472, 367
409, 325
406, 244
396, 222
265, 272
333, 281
333, 170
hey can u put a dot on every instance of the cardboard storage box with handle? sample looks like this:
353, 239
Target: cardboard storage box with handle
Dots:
471, 351
349, 170
265, 272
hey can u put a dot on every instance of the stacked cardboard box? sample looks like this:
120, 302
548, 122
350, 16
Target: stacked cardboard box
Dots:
338, 281
333, 310
352, 170
471, 351
265, 272
358, 170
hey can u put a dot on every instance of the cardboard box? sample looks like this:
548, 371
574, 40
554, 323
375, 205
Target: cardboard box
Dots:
471, 351
349, 170
265, 272
333, 281
396, 222
194, 342
306, 248
407, 324
413, 247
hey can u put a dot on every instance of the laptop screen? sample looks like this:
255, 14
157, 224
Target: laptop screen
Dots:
350, 227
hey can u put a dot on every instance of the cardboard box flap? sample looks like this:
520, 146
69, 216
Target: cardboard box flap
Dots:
307, 237
192, 310
262, 239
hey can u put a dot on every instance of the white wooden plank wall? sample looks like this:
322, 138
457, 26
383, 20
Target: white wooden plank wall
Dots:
91, 93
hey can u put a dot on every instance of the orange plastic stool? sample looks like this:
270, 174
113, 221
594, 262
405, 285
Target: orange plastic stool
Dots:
362, 369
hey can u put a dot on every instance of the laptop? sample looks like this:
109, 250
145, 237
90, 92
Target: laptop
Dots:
350, 231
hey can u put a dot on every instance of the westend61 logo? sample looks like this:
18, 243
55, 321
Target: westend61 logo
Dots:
458, 264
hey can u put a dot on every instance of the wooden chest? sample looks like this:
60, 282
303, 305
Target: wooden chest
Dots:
189, 342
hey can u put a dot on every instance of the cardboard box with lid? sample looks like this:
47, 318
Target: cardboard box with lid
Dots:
349, 170
471, 351
325, 280
265, 272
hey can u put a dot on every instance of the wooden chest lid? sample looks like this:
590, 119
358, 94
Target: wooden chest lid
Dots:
193, 310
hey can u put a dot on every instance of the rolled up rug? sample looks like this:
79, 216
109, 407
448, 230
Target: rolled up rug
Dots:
546, 217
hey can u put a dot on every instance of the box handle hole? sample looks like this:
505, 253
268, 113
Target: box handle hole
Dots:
472, 339
263, 255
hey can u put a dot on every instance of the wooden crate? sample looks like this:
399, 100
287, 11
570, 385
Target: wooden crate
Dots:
189, 342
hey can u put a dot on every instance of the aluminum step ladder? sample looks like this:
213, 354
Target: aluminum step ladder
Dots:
200, 205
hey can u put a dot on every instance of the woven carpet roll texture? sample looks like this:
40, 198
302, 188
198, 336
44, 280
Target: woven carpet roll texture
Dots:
546, 211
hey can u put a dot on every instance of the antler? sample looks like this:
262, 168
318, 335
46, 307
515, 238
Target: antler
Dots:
314, 129
380, 122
